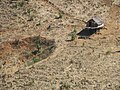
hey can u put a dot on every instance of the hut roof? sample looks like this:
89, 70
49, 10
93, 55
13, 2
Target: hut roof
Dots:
97, 20
95, 23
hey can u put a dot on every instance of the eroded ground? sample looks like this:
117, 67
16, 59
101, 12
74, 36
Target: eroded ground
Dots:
83, 64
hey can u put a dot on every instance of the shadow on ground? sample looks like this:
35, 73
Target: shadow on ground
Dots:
86, 33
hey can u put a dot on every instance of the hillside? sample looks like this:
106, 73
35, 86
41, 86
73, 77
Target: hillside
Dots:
35, 53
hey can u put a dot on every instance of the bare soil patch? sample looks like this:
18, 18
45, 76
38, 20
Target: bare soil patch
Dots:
26, 51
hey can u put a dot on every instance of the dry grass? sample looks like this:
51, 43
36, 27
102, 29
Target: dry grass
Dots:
84, 64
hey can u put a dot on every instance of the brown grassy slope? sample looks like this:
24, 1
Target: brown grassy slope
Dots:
81, 65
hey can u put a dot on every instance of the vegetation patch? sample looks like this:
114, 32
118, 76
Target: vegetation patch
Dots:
26, 51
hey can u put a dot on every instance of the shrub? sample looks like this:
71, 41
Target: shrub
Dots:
73, 35
35, 60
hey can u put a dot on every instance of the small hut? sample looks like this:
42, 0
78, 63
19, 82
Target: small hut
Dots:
95, 23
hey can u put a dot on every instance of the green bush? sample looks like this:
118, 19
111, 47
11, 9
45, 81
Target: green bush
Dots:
35, 60
73, 35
